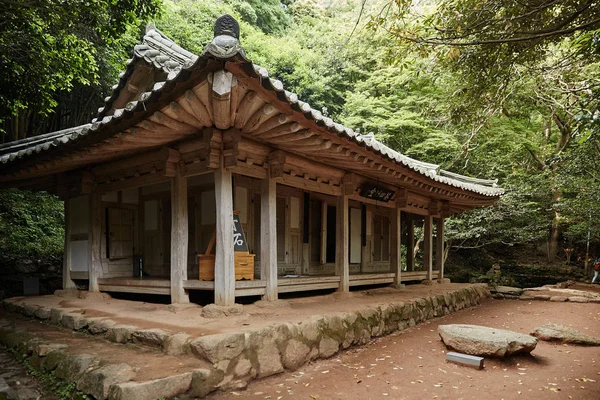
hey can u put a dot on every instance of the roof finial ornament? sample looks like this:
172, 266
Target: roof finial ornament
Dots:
226, 44
227, 25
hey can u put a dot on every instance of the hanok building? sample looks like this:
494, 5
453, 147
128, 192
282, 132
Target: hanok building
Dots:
189, 150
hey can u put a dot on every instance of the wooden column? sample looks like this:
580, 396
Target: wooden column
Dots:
365, 257
410, 245
179, 237
94, 242
342, 254
395, 263
66, 278
224, 257
268, 239
439, 248
427, 246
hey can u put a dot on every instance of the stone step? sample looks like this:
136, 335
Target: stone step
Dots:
102, 369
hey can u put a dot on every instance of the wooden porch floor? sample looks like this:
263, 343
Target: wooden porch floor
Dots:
254, 287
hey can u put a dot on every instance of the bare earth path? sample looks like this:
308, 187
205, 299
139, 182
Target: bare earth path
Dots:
411, 365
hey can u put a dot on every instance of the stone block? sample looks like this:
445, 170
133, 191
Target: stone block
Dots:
73, 321
43, 349
163, 388
29, 311
42, 313
579, 299
150, 337
328, 347
72, 368
214, 348
242, 368
205, 381
100, 326
558, 298
56, 315
98, 381
177, 344
295, 354
120, 333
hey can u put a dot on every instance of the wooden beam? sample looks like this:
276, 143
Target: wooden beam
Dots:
439, 247
342, 261
222, 82
224, 257
268, 238
249, 105
95, 234
192, 104
179, 237
309, 185
264, 113
427, 247
116, 167
395, 254
177, 112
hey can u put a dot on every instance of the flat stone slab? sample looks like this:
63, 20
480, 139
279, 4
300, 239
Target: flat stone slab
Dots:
564, 334
514, 291
483, 341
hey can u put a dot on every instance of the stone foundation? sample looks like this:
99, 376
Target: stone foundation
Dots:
239, 357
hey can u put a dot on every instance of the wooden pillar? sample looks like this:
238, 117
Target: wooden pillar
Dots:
439, 248
427, 246
224, 257
410, 245
179, 237
268, 239
94, 242
365, 257
66, 278
342, 255
395, 254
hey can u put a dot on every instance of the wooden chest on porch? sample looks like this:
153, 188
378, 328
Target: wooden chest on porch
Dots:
244, 266
243, 260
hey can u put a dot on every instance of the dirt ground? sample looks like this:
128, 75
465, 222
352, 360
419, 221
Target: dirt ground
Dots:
411, 364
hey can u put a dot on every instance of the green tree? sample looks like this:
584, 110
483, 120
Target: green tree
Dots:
47, 47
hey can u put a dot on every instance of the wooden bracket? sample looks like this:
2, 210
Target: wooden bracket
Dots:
434, 208
231, 139
401, 198
445, 209
349, 184
276, 160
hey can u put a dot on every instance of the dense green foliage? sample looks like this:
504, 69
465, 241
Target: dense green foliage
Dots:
495, 89
31, 227
48, 47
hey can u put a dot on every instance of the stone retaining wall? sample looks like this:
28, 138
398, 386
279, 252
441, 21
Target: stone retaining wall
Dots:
239, 357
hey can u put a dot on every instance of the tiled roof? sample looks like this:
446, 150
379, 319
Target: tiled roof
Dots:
162, 53
36, 144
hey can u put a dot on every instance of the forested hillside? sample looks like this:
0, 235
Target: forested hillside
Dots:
493, 89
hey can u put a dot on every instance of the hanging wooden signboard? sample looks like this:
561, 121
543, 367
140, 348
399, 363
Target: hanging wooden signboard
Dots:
374, 192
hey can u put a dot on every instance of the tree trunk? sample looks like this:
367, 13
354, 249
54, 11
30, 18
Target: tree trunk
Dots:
555, 228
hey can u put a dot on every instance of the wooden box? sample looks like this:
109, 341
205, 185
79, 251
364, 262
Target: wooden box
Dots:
244, 266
